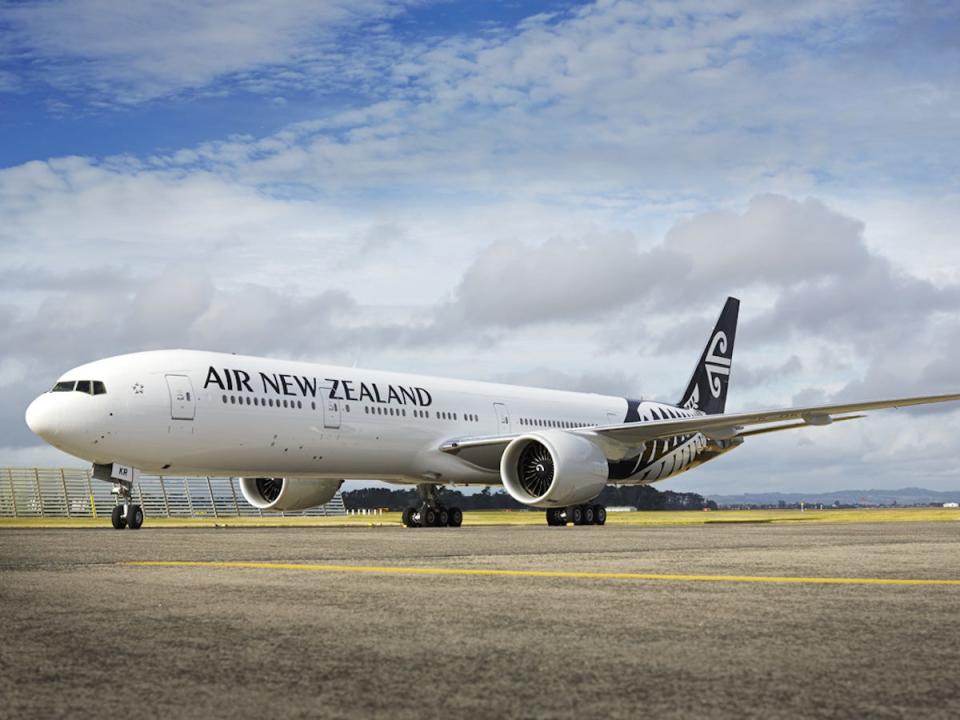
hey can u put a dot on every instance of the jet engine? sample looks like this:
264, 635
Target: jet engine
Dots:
285, 494
553, 469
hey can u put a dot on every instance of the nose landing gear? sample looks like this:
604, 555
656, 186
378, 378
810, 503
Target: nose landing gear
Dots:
126, 514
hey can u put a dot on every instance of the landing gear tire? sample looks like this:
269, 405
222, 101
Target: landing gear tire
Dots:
431, 512
117, 518
455, 518
578, 515
134, 517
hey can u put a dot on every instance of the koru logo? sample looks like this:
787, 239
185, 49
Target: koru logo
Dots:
716, 364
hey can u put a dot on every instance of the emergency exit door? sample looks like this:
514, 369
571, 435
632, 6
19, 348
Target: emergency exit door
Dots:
503, 418
183, 403
331, 410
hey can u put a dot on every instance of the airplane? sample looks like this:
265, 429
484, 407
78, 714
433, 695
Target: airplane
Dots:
293, 431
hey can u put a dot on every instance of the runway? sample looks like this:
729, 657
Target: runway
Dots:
616, 621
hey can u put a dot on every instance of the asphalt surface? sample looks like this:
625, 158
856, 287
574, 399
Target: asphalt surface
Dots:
83, 635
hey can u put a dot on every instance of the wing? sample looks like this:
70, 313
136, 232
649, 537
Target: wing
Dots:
723, 427
718, 427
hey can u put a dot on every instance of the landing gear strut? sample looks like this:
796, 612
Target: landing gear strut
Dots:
578, 515
431, 513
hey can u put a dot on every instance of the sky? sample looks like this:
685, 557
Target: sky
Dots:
558, 194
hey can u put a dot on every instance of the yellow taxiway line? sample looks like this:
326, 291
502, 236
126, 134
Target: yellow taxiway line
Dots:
399, 570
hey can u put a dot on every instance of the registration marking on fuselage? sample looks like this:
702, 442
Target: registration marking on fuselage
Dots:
483, 572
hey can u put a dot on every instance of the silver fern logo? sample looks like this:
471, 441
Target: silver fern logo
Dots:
716, 363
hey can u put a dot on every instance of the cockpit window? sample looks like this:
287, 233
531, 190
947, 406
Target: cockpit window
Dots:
90, 387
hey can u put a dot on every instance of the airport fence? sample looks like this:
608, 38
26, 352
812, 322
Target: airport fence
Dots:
70, 492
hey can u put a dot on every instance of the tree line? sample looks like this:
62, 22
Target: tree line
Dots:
642, 497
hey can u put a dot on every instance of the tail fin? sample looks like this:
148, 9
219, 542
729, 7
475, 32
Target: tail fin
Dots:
707, 390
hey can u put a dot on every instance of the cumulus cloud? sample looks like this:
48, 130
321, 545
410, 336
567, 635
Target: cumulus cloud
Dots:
564, 279
776, 241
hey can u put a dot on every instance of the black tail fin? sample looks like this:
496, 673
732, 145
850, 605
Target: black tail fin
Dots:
707, 390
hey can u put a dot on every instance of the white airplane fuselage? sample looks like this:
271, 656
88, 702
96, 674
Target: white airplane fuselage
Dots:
294, 431
186, 412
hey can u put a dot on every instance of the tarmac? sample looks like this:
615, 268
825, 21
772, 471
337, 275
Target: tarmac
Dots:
733, 620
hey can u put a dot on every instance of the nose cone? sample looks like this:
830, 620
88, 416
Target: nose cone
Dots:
40, 417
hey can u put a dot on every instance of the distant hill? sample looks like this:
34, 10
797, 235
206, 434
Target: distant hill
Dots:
903, 496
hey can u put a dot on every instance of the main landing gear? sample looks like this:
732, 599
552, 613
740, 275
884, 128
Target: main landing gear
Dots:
431, 513
126, 514
578, 515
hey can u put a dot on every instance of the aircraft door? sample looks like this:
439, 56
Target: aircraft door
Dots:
183, 403
331, 411
503, 418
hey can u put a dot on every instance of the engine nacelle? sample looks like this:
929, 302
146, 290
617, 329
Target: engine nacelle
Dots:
553, 469
285, 494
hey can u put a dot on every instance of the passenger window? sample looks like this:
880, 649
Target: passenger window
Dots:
233, 400
64, 386
224, 399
